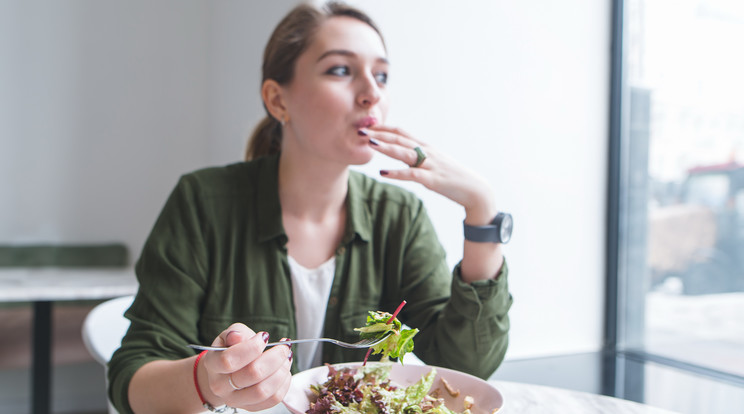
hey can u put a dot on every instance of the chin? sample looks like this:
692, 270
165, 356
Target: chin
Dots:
362, 157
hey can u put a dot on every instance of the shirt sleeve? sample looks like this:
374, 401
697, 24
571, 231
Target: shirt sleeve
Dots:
462, 326
171, 275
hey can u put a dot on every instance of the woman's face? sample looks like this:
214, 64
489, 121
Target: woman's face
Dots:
339, 86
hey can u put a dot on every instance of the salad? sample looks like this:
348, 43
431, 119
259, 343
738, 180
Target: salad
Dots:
368, 390
398, 341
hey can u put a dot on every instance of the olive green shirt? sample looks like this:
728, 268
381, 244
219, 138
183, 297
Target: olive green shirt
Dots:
217, 255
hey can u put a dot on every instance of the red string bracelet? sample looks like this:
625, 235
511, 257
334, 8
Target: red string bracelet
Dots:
196, 379
208, 406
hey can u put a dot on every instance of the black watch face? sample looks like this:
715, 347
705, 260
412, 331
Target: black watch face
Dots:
506, 228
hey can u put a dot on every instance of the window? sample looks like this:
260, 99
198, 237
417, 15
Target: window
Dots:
680, 186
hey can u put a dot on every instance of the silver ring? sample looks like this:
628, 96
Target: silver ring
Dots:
232, 384
420, 157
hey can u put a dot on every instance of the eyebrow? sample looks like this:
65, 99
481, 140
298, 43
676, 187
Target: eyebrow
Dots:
348, 53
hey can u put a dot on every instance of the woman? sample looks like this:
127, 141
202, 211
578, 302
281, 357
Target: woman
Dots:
292, 243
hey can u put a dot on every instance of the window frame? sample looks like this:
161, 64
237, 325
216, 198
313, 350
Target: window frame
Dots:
623, 353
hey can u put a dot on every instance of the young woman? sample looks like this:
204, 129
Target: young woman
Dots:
291, 243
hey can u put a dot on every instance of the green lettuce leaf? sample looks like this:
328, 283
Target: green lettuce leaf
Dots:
397, 344
415, 393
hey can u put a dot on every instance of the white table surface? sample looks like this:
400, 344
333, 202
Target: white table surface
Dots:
523, 398
59, 284
46, 285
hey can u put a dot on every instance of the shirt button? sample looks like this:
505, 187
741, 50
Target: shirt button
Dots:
333, 301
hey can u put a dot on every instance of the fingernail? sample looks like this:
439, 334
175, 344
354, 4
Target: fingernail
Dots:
373, 142
291, 354
384, 172
227, 337
265, 336
362, 132
286, 339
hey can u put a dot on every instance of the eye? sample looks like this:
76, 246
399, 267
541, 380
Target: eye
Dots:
339, 71
381, 77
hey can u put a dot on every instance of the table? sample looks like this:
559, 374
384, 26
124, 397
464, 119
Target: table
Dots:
521, 398
527, 398
43, 287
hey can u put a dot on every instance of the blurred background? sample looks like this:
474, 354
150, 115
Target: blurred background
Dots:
612, 130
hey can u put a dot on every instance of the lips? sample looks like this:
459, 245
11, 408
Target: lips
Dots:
365, 122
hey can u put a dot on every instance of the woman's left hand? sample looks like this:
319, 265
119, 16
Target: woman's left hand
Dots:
442, 174
438, 172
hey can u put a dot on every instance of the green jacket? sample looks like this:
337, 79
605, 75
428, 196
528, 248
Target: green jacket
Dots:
217, 255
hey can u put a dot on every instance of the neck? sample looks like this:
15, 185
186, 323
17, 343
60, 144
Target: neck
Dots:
311, 189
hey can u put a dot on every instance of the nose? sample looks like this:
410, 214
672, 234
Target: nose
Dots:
369, 91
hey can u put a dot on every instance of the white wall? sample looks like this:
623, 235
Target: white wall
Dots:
519, 91
239, 32
104, 103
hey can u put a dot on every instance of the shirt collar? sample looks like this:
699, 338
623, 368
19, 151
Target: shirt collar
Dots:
268, 208
359, 221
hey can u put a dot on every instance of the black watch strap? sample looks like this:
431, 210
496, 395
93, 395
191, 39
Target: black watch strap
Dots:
490, 233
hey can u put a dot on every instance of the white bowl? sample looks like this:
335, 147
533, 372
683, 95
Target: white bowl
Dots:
486, 397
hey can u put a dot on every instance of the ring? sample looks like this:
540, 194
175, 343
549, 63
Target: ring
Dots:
232, 384
420, 157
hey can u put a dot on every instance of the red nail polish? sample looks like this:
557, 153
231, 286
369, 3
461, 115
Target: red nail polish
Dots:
384, 172
362, 132
291, 354
265, 336
374, 142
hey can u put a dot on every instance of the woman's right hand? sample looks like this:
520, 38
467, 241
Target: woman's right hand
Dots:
262, 378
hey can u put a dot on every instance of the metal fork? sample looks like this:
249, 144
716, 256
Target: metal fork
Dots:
364, 343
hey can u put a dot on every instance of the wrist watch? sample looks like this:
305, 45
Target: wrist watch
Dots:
499, 231
221, 409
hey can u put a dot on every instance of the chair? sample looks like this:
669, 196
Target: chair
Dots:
103, 329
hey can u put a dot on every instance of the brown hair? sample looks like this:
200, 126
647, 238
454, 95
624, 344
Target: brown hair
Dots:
288, 41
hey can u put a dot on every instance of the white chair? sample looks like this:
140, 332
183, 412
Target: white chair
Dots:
103, 329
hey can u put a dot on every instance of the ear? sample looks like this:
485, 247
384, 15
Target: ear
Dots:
272, 95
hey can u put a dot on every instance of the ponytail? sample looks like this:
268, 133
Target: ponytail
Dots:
265, 140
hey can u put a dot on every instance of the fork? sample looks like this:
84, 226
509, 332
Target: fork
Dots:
364, 343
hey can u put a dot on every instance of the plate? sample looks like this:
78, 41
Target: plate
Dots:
486, 397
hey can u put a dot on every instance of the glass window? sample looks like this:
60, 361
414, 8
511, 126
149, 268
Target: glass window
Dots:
710, 190
682, 208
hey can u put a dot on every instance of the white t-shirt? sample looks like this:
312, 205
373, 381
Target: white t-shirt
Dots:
310, 290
